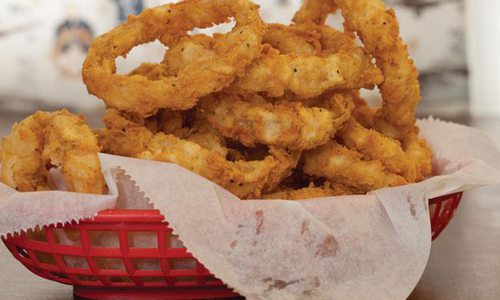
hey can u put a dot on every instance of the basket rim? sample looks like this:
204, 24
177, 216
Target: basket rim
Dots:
154, 215
114, 213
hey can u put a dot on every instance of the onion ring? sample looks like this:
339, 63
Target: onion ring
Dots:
284, 124
292, 39
246, 179
46, 140
307, 76
371, 117
420, 153
209, 139
127, 135
327, 190
151, 71
312, 16
375, 146
332, 40
307, 38
344, 66
416, 149
339, 164
170, 121
242, 178
202, 133
122, 136
233, 52
315, 11
378, 29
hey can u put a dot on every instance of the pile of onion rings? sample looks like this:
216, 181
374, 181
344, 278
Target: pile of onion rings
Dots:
267, 111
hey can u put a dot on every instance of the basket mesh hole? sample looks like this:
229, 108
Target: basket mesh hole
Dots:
59, 275
76, 262
182, 264
184, 279
22, 252
110, 263
119, 279
45, 258
175, 242
153, 279
145, 239
67, 236
147, 264
87, 278
104, 239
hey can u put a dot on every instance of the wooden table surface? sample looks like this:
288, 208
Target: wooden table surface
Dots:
464, 262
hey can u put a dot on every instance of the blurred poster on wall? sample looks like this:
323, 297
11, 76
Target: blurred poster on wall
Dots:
43, 44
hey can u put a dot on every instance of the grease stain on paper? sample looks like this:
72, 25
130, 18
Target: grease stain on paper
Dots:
278, 284
413, 211
305, 227
328, 247
259, 219
316, 281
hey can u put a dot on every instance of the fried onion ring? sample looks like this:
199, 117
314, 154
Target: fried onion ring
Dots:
151, 71
312, 16
246, 179
284, 124
339, 164
341, 65
375, 146
315, 11
202, 133
210, 139
46, 140
307, 76
123, 136
378, 29
232, 52
420, 153
371, 117
292, 39
416, 149
327, 190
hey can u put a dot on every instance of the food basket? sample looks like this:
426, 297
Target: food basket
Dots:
171, 272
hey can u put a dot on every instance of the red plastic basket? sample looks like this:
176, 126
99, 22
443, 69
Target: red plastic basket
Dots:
115, 272
442, 210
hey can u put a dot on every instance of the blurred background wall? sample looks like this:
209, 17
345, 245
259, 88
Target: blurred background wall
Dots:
435, 33
483, 47
43, 44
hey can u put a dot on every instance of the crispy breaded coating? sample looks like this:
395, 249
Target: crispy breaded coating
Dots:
339, 164
46, 140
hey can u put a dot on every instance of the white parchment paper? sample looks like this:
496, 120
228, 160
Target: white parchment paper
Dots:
352, 247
